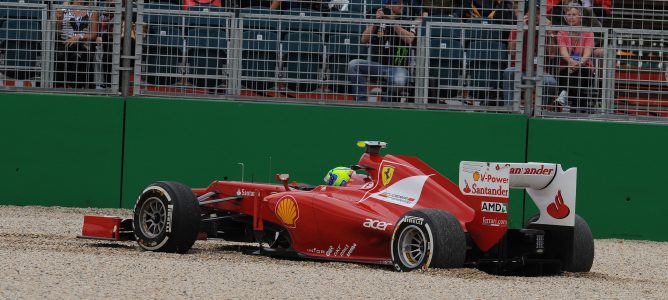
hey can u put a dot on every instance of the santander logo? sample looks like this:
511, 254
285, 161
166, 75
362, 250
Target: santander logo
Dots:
558, 208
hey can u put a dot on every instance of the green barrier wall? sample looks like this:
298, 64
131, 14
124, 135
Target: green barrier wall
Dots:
67, 150
60, 150
621, 173
196, 142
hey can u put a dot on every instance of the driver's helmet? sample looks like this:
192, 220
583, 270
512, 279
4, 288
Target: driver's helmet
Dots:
338, 176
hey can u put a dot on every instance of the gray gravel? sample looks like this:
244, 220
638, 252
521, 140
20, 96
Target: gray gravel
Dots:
41, 257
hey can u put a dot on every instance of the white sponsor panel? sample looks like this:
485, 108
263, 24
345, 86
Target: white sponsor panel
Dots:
405, 192
484, 179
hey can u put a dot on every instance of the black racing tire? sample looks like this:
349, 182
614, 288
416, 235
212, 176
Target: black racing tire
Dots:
576, 255
581, 256
424, 238
166, 218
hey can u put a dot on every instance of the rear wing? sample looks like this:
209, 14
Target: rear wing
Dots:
550, 187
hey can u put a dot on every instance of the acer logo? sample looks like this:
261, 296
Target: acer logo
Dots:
376, 224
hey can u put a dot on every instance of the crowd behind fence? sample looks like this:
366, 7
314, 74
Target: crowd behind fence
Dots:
592, 59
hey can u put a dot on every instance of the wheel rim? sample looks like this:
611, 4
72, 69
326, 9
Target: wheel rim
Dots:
152, 217
412, 246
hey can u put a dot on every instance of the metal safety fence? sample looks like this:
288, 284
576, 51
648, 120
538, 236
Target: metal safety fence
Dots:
56, 47
588, 59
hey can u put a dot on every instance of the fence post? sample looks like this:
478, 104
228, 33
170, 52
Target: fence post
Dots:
127, 47
529, 80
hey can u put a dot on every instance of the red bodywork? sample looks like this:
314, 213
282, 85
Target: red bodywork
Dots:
102, 227
356, 222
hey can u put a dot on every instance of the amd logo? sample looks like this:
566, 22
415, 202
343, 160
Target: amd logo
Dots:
375, 224
495, 207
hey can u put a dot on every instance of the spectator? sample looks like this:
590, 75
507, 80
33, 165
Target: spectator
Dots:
499, 10
575, 51
390, 47
77, 24
601, 8
558, 17
549, 82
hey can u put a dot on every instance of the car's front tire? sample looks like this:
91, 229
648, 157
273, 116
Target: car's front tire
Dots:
425, 238
166, 218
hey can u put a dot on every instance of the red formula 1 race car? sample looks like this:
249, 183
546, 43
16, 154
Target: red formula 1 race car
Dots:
400, 212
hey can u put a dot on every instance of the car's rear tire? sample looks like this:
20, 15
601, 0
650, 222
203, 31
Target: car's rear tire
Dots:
577, 254
581, 255
166, 218
425, 238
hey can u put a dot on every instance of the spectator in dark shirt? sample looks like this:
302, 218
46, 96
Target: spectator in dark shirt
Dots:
390, 48
77, 25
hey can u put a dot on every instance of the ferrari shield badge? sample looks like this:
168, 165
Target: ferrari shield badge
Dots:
387, 173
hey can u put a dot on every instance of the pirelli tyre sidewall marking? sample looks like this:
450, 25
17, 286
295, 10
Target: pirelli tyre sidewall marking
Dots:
405, 221
160, 240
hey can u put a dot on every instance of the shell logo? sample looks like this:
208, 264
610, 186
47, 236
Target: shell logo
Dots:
287, 211
476, 176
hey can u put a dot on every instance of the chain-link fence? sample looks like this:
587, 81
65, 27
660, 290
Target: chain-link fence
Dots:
592, 59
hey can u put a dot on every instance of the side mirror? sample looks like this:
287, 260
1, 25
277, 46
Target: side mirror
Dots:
284, 178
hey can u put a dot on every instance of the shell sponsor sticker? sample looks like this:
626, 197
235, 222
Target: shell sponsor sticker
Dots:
484, 179
287, 211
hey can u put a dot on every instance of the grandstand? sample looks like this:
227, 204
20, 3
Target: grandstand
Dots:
248, 52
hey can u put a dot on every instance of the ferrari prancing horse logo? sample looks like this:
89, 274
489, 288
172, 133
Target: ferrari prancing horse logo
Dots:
386, 174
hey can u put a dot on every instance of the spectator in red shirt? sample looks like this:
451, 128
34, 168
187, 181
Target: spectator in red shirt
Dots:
575, 51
